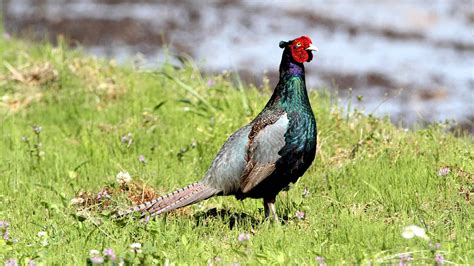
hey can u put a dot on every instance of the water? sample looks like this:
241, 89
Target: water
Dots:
409, 59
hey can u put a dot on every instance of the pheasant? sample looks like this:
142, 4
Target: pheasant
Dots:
266, 155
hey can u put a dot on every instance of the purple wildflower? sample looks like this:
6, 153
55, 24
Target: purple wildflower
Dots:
147, 219
4, 224
31, 263
142, 159
210, 82
243, 237
404, 258
108, 252
439, 259
103, 194
444, 171
299, 215
97, 259
320, 261
4, 229
6, 235
11, 262
127, 139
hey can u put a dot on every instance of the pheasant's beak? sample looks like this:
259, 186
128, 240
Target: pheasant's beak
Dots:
312, 48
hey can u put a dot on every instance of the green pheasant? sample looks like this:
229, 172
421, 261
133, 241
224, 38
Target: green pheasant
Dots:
265, 156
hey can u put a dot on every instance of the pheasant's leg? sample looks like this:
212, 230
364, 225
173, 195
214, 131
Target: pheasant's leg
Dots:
267, 209
269, 205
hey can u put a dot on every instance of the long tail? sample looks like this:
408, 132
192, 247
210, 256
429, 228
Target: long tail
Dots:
182, 197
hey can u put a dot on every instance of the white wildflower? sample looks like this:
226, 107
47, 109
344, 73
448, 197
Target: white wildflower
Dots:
72, 174
412, 231
43, 236
94, 252
76, 201
136, 247
123, 177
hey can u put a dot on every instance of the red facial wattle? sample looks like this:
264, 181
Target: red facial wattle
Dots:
298, 49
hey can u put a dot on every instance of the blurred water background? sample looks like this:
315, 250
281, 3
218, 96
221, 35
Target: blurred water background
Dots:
410, 59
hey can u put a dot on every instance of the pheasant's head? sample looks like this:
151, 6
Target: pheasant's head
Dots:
301, 48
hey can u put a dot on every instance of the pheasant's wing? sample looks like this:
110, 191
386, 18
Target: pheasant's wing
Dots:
266, 139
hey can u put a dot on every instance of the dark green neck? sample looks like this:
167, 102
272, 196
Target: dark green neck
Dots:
290, 93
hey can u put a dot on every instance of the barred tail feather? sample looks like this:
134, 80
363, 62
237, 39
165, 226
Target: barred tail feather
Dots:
180, 198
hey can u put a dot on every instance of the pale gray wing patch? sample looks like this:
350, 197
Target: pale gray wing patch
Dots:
227, 168
263, 153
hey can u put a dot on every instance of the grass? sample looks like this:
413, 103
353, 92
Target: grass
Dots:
65, 120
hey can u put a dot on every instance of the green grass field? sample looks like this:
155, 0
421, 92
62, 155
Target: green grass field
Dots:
65, 121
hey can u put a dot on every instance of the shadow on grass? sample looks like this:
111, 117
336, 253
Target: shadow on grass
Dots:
233, 218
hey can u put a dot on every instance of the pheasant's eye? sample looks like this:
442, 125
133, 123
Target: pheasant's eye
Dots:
298, 44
